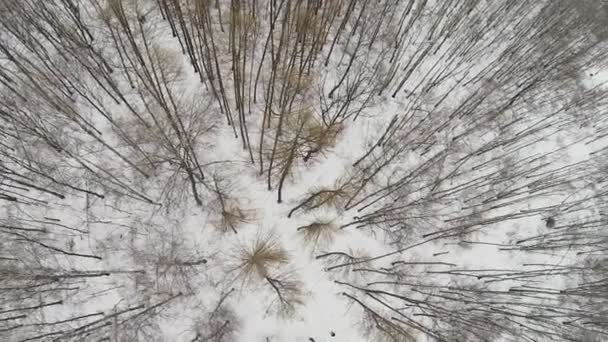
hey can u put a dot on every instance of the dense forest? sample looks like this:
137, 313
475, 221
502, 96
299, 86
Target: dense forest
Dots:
304, 170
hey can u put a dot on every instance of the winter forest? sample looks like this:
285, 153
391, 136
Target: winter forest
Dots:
303, 170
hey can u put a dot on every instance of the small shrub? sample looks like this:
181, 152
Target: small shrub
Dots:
320, 233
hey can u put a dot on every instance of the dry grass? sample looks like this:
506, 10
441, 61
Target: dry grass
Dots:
296, 83
266, 262
288, 146
262, 258
231, 215
333, 197
234, 216
319, 233
382, 330
320, 138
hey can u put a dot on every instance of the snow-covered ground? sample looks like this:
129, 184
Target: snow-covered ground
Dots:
455, 184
